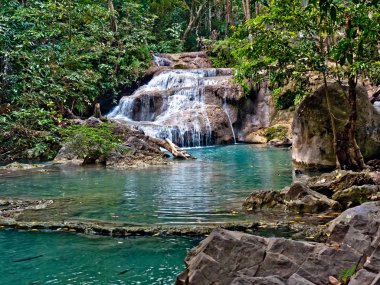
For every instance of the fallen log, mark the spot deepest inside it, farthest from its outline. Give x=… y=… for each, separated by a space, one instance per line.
x=175 y=150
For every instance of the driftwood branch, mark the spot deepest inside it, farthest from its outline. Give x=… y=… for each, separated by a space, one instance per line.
x=172 y=148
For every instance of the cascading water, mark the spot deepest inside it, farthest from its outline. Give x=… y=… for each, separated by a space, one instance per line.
x=227 y=110
x=172 y=105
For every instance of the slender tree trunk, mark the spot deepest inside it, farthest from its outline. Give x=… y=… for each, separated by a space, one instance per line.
x=113 y=20
x=195 y=14
x=229 y=19
x=332 y=121
x=348 y=151
x=247 y=16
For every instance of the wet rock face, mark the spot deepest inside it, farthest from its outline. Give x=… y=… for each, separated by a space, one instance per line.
x=312 y=132
x=193 y=104
x=256 y=113
x=297 y=198
x=227 y=257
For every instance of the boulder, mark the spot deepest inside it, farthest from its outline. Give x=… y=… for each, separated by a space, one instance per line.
x=329 y=183
x=136 y=150
x=297 y=198
x=227 y=257
x=184 y=60
x=356 y=195
x=312 y=132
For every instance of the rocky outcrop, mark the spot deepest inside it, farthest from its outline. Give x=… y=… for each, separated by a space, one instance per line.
x=256 y=113
x=137 y=149
x=185 y=60
x=312 y=132
x=356 y=195
x=14 y=166
x=193 y=104
x=227 y=257
x=330 y=183
x=297 y=198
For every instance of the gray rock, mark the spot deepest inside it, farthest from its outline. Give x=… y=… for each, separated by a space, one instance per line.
x=298 y=198
x=227 y=257
x=312 y=132
x=330 y=183
x=356 y=195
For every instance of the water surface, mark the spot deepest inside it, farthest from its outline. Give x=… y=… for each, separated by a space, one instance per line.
x=77 y=259
x=207 y=190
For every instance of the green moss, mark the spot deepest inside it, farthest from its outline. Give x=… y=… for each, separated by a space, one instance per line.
x=275 y=133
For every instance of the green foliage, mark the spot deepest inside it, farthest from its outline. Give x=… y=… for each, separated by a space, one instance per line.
x=286 y=99
x=220 y=53
x=65 y=55
x=29 y=134
x=290 y=42
x=92 y=143
x=276 y=132
x=346 y=274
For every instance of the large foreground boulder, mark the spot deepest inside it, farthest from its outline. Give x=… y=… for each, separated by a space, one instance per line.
x=227 y=257
x=312 y=131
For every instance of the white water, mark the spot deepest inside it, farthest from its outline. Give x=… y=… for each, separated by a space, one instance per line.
x=227 y=110
x=172 y=105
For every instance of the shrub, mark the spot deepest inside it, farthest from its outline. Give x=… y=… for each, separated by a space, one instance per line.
x=92 y=143
x=29 y=134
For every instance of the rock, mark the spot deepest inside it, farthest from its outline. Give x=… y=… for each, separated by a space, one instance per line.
x=356 y=195
x=255 y=137
x=329 y=183
x=185 y=60
x=312 y=133
x=255 y=112
x=227 y=257
x=374 y=164
x=286 y=142
x=21 y=166
x=298 y=198
x=136 y=150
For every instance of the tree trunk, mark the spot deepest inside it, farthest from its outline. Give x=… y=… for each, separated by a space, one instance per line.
x=97 y=113
x=195 y=14
x=229 y=19
x=247 y=16
x=347 y=149
x=332 y=121
x=113 y=20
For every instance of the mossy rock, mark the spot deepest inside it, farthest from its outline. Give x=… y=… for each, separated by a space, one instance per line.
x=276 y=133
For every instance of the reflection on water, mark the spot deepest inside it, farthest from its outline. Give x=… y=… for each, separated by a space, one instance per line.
x=74 y=259
x=204 y=190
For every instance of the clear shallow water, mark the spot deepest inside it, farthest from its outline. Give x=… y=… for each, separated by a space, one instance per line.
x=207 y=190
x=75 y=259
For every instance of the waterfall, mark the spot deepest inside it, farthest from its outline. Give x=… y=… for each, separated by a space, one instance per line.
x=172 y=105
x=227 y=110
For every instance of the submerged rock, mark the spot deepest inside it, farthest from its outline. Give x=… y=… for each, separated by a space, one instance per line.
x=227 y=257
x=298 y=198
x=312 y=132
